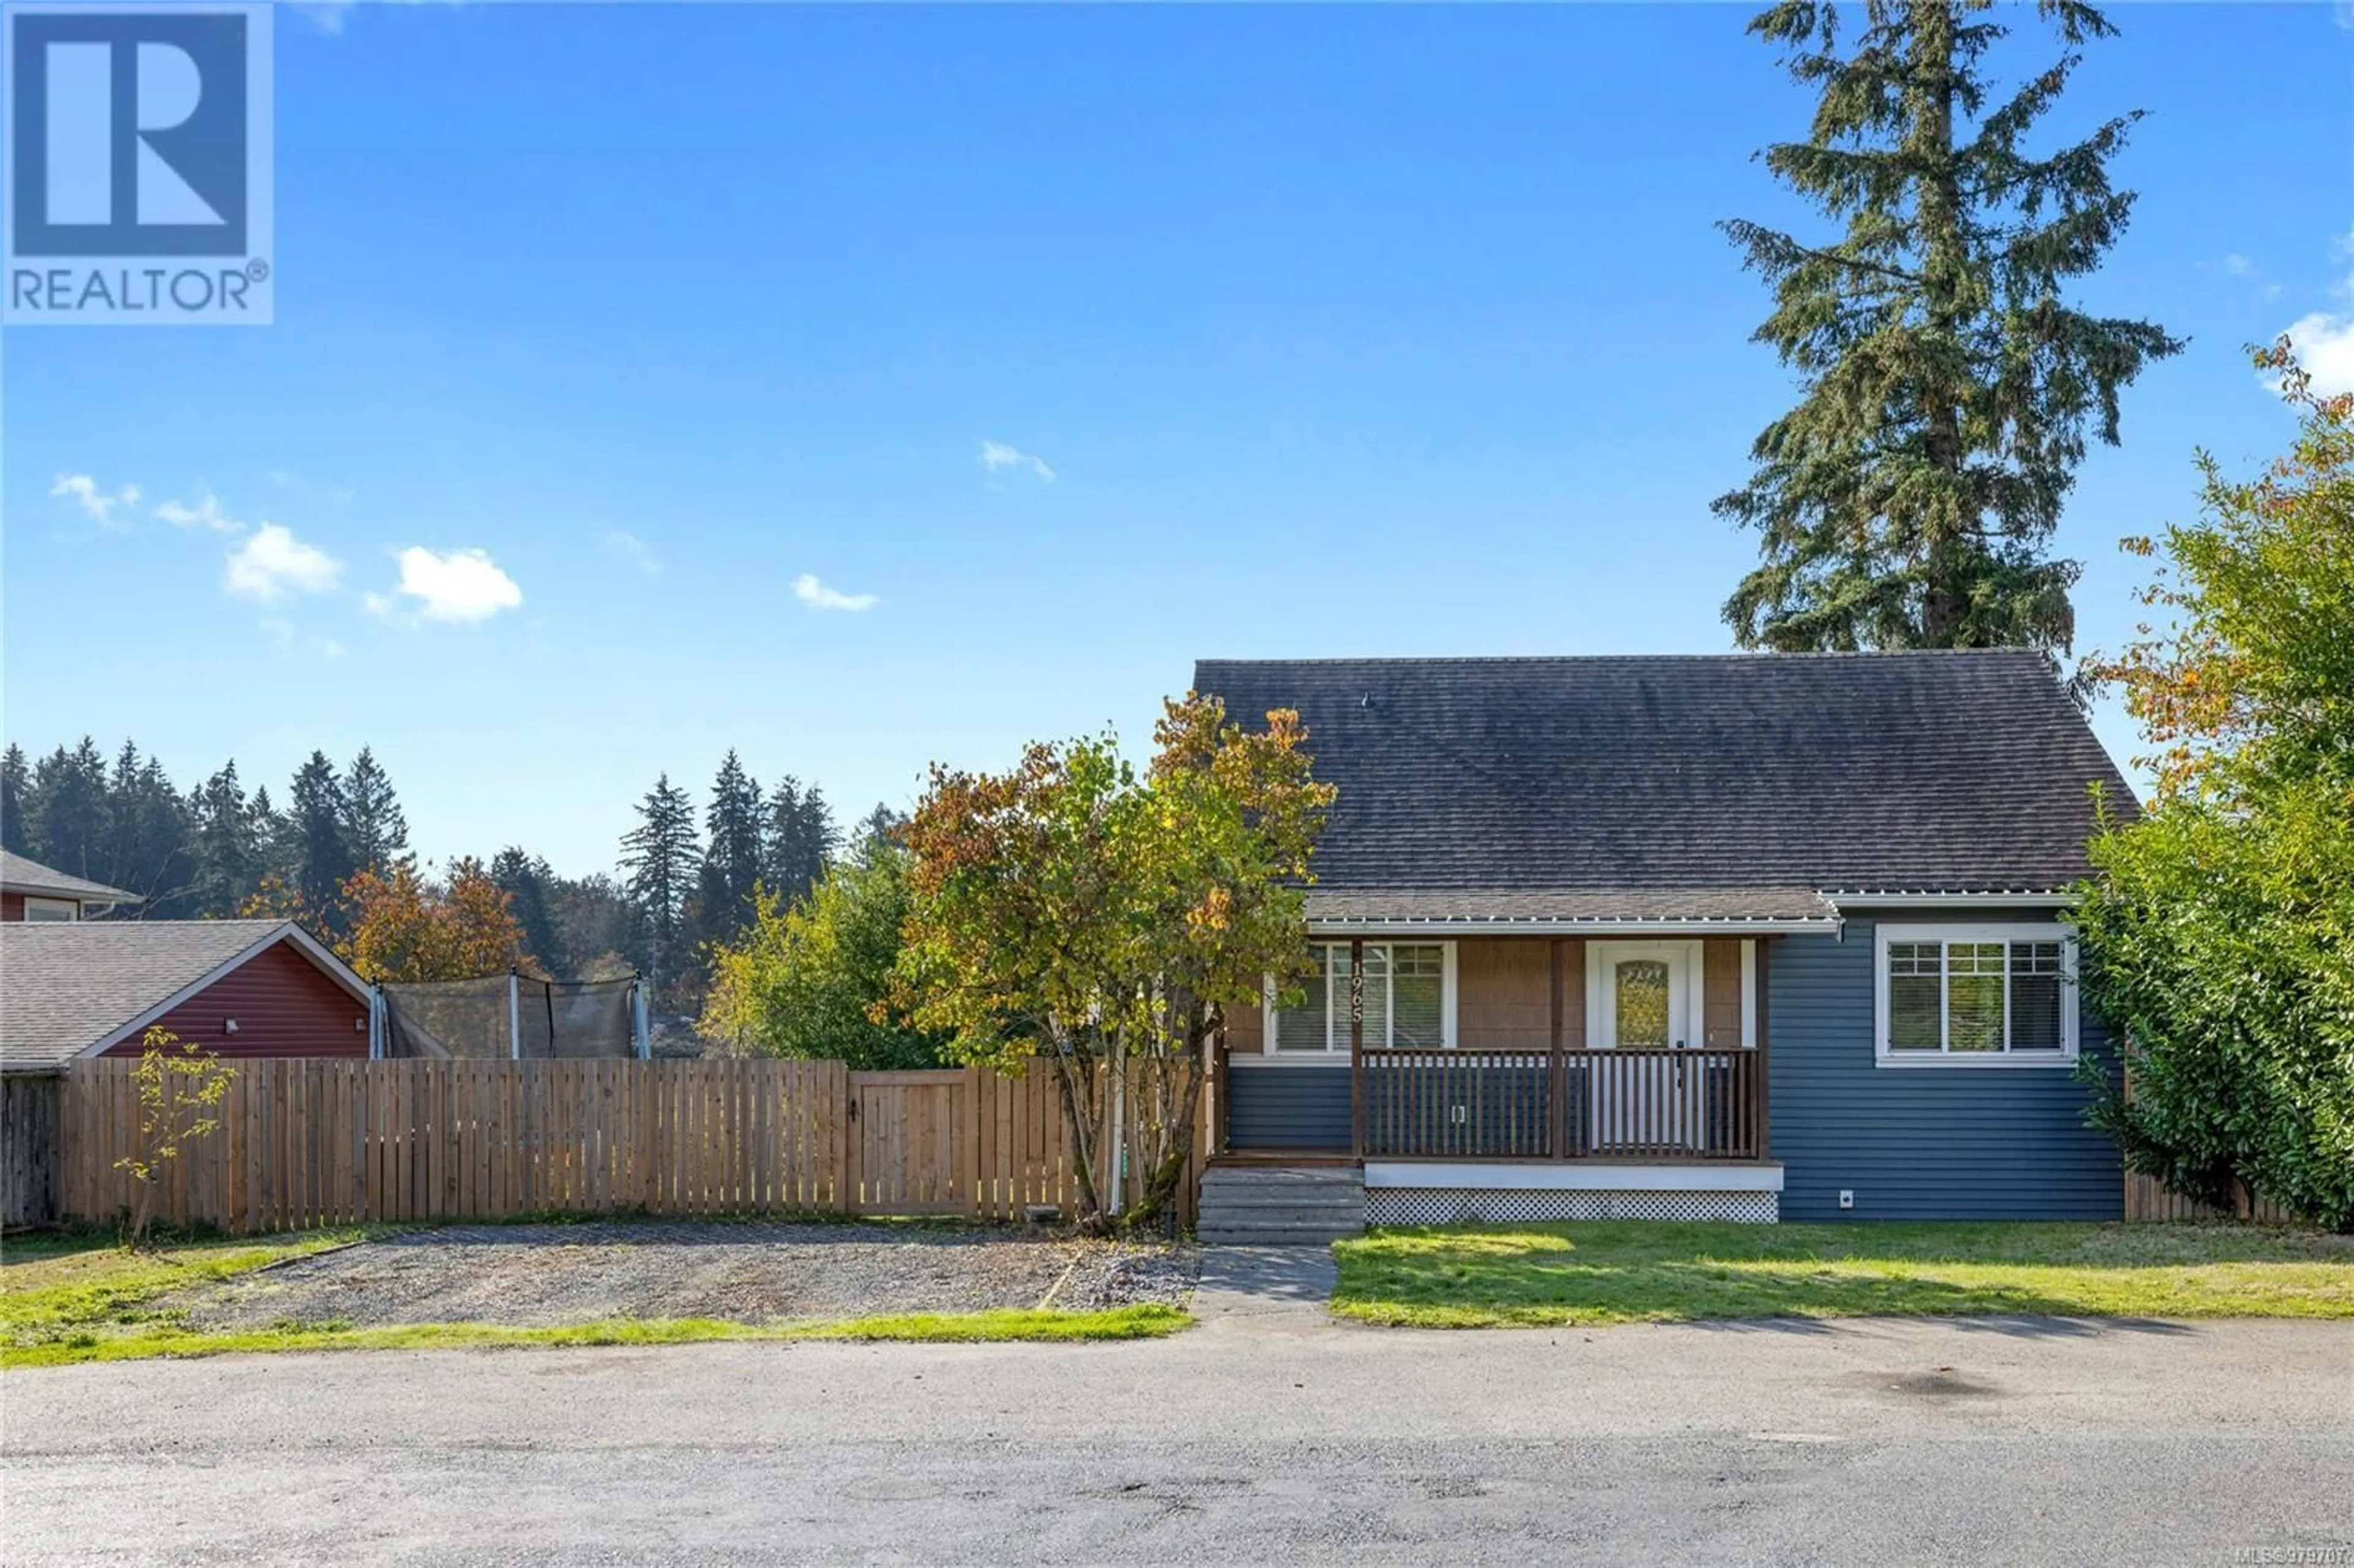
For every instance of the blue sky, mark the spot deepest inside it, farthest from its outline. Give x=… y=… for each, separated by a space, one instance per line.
x=1315 y=331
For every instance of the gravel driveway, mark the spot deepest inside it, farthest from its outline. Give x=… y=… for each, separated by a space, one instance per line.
x=533 y=1275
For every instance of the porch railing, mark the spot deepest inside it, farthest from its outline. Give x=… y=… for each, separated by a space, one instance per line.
x=1664 y=1104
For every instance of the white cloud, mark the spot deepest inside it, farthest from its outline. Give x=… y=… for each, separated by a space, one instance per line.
x=632 y=549
x=2324 y=339
x=2238 y=265
x=449 y=585
x=995 y=455
x=270 y=563
x=96 y=505
x=817 y=596
x=2325 y=347
x=204 y=514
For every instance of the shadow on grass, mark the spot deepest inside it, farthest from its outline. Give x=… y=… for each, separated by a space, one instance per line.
x=2025 y=1279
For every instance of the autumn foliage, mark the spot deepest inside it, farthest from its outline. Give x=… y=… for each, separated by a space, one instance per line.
x=1073 y=916
x=406 y=928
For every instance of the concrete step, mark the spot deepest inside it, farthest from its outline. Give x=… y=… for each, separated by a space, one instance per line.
x=1271 y=1237
x=1260 y=1197
x=1290 y=1217
x=1283 y=1176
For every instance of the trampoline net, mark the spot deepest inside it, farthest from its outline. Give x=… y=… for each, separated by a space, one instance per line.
x=557 y=1019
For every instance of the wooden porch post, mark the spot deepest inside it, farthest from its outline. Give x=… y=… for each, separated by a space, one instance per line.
x=1357 y=1044
x=1760 y=1102
x=1556 y=1068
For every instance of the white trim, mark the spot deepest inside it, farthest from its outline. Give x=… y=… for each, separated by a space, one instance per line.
x=333 y=967
x=1975 y=931
x=1692 y=1178
x=1749 y=996
x=1432 y=925
x=2054 y=897
x=1689 y=956
x=1337 y=1048
x=53 y=911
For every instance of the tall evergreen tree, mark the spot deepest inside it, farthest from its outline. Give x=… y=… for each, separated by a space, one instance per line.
x=372 y=822
x=877 y=833
x=801 y=839
x=659 y=860
x=226 y=843
x=527 y=881
x=65 y=811
x=147 y=836
x=15 y=784
x=273 y=835
x=1908 y=499
x=733 y=852
x=319 y=833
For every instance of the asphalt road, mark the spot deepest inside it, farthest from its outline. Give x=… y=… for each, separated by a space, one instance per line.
x=1274 y=1437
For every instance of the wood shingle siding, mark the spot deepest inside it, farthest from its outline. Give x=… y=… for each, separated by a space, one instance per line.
x=1720 y=993
x=1923 y=1142
x=1503 y=993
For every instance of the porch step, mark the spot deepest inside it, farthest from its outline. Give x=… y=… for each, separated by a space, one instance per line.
x=1282 y=1205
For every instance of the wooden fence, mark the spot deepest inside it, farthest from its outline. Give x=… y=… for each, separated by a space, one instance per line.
x=28 y=1149
x=2148 y=1198
x=312 y=1142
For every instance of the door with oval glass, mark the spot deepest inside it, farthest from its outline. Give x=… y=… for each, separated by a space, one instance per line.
x=1645 y=1099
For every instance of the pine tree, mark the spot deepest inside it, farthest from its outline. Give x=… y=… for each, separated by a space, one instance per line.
x=733 y=854
x=373 y=823
x=226 y=842
x=65 y=811
x=318 y=829
x=15 y=784
x=527 y=881
x=1908 y=499
x=659 y=860
x=800 y=839
x=147 y=836
x=877 y=833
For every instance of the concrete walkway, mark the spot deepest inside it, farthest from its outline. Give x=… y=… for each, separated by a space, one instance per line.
x=1290 y=1285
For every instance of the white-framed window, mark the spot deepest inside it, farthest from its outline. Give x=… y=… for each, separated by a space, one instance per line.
x=1974 y=995
x=52 y=909
x=1409 y=1001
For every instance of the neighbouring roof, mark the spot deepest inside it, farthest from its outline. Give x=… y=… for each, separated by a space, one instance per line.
x=19 y=874
x=68 y=985
x=1736 y=781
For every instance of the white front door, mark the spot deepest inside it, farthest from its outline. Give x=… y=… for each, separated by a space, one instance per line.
x=1643 y=1003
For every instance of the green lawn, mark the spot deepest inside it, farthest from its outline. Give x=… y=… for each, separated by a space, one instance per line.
x=1629 y=1271
x=83 y=1298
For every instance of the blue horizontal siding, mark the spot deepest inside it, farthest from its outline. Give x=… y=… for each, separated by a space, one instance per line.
x=1917 y=1143
x=1288 y=1108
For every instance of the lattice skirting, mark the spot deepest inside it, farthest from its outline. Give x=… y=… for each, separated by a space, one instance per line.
x=1490 y=1205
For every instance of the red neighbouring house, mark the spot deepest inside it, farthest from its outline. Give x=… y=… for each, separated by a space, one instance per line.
x=240 y=988
x=72 y=987
x=31 y=891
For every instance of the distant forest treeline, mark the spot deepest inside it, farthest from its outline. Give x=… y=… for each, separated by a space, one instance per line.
x=207 y=851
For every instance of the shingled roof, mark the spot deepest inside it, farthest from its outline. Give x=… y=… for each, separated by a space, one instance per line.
x=20 y=874
x=1742 y=780
x=66 y=986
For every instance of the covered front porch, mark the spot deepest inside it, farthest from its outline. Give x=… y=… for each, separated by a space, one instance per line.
x=1474 y=1072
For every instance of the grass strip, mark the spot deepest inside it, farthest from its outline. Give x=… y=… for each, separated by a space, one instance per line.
x=1605 y=1272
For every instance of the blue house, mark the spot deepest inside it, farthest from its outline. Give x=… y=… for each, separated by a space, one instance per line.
x=1712 y=938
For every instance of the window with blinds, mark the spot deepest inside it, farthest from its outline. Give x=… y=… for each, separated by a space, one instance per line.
x=1970 y=995
x=1404 y=1000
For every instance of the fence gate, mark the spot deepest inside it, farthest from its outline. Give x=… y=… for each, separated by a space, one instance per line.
x=908 y=1144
